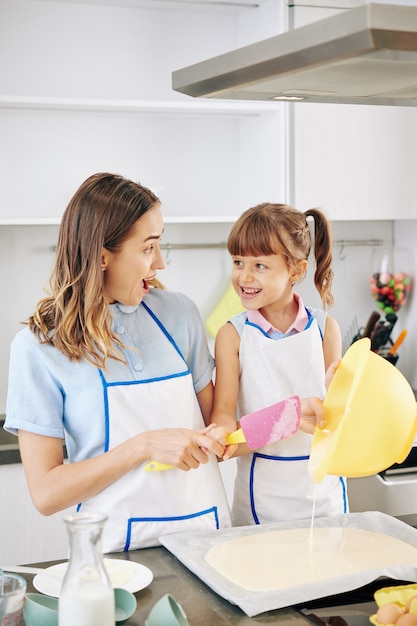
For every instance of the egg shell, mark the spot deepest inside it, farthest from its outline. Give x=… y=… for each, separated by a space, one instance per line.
x=407 y=619
x=389 y=613
x=411 y=606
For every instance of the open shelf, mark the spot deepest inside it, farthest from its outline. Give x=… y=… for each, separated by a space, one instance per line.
x=186 y=219
x=145 y=107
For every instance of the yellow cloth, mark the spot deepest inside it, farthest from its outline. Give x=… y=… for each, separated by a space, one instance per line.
x=228 y=306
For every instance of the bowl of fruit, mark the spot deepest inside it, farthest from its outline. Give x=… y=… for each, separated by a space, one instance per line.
x=390 y=280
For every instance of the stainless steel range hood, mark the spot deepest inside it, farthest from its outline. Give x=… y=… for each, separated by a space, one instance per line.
x=366 y=55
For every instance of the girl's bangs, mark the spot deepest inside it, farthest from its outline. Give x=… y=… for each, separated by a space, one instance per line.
x=253 y=241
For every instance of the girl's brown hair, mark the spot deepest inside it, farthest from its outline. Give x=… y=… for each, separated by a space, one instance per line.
x=75 y=316
x=280 y=229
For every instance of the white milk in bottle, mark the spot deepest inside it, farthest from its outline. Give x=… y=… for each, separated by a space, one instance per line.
x=87 y=596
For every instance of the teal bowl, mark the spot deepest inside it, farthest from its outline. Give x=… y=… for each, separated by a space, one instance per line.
x=41 y=610
x=167 y=612
x=125 y=604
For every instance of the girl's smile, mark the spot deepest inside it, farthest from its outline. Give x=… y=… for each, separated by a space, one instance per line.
x=249 y=293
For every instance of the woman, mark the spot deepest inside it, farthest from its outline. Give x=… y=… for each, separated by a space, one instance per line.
x=121 y=369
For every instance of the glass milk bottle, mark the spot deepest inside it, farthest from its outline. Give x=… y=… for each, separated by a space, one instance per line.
x=87 y=596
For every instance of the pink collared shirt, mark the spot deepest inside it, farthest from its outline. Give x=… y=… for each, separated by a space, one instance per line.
x=298 y=325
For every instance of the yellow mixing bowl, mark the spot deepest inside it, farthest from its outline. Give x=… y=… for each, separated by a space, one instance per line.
x=371 y=417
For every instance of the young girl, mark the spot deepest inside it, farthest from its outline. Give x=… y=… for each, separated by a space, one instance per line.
x=275 y=349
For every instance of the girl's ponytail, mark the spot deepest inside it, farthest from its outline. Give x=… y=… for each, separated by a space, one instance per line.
x=323 y=276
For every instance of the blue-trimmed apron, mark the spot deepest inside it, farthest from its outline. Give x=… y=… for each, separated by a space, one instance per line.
x=272 y=484
x=143 y=506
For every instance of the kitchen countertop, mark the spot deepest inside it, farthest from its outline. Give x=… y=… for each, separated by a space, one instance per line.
x=203 y=607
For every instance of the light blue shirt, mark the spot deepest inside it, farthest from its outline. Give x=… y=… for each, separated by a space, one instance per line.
x=50 y=395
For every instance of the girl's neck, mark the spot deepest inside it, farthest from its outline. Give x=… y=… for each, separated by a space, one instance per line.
x=281 y=316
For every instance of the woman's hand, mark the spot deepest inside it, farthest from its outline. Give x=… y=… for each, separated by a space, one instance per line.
x=55 y=485
x=183 y=448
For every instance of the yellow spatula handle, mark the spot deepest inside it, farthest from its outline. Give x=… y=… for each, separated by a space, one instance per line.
x=156 y=466
x=236 y=437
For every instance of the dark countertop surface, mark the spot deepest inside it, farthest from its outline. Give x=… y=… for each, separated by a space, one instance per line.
x=9 y=447
x=203 y=607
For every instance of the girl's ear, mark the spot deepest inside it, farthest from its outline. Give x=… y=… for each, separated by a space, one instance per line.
x=299 y=271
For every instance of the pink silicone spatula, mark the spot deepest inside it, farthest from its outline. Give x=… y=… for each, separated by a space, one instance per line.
x=272 y=423
x=260 y=428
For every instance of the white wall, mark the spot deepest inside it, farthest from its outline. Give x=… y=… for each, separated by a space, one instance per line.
x=405 y=236
x=352 y=268
x=66 y=49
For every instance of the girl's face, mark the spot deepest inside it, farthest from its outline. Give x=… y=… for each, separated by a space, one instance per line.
x=126 y=273
x=262 y=281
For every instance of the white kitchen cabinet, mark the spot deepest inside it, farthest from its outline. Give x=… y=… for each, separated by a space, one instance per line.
x=88 y=88
x=302 y=12
x=201 y=158
x=356 y=162
x=27 y=536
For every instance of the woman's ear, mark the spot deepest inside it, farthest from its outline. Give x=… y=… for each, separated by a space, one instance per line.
x=104 y=259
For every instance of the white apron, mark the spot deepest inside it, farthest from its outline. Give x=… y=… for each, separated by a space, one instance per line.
x=143 y=506
x=272 y=484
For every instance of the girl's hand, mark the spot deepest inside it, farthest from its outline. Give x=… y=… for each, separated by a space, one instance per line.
x=330 y=373
x=219 y=434
x=312 y=415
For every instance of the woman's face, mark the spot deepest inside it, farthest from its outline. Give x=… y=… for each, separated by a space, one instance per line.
x=126 y=273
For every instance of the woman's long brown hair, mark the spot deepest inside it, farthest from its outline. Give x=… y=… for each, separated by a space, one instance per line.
x=75 y=318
